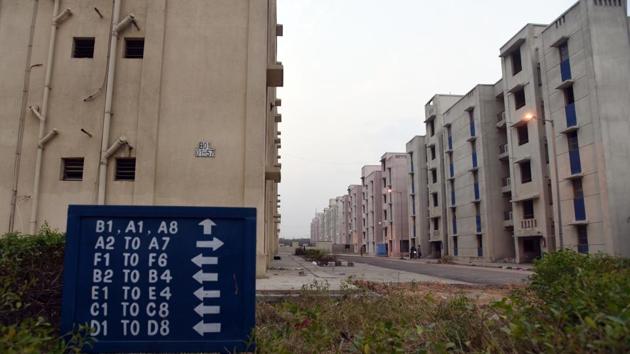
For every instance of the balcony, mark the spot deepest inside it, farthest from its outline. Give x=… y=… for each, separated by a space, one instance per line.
x=529 y=224
x=508 y=220
x=580 y=209
x=503 y=151
x=501 y=120
x=574 y=161
x=569 y=110
x=506 y=185
x=565 y=70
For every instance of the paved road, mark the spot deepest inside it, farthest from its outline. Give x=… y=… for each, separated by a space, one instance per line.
x=477 y=275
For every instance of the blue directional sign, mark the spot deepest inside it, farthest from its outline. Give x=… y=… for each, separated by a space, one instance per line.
x=161 y=279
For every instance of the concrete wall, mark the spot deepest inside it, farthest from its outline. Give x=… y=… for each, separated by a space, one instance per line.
x=203 y=78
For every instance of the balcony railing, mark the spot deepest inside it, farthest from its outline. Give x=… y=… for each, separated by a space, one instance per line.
x=569 y=110
x=574 y=160
x=507 y=215
x=565 y=70
x=474 y=159
x=528 y=224
x=580 y=210
x=476 y=190
x=478 y=222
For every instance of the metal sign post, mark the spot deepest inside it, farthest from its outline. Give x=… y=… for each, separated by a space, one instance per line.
x=161 y=279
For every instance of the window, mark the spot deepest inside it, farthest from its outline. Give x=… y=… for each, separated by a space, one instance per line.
x=126 y=169
x=526 y=171
x=72 y=169
x=432 y=149
x=519 y=99
x=134 y=48
x=572 y=140
x=436 y=224
x=569 y=97
x=564 y=51
x=83 y=48
x=517 y=63
x=582 y=238
x=431 y=127
x=528 y=209
x=455 y=248
x=523 y=134
x=578 y=192
x=434 y=176
x=435 y=199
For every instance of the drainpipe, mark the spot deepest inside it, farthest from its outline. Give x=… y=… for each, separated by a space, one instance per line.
x=117 y=28
x=42 y=115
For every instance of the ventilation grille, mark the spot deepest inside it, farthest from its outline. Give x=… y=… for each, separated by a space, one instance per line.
x=134 y=48
x=607 y=2
x=126 y=169
x=72 y=169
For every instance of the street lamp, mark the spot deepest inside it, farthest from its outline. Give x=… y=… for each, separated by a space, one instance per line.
x=528 y=117
x=398 y=214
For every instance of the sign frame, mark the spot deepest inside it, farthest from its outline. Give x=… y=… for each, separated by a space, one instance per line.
x=71 y=273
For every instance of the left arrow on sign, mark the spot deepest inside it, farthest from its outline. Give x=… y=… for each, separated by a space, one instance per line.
x=200 y=276
x=203 y=328
x=200 y=260
x=201 y=293
x=215 y=244
x=207 y=226
x=201 y=310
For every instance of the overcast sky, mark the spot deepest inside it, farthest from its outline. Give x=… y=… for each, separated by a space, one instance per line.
x=357 y=74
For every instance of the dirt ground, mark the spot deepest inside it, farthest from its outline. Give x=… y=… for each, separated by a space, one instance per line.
x=481 y=294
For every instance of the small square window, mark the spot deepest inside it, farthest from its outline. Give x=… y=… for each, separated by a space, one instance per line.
x=523 y=134
x=134 y=48
x=83 y=47
x=519 y=99
x=72 y=169
x=126 y=169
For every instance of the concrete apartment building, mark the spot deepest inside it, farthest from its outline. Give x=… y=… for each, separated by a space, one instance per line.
x=355 y=194
x=372 y=185
x=139 y=102
x=418 y=195
x=436 y=172
x=474 y=150
x=330 y=221
x=395 y=176
x=316 y=234
x=342 y=235
x=585 y=69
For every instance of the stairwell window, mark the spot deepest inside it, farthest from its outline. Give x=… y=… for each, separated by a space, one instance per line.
x=517 y=63
x=526 y=171
x=72 y=169
x=83 y=47
x=134 y=48
x=519 y=99
x=523 y=134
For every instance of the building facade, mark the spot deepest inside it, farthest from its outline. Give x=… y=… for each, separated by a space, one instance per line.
x=371 y=179
x=395 y=175
x=418 y=196
x=355 y=194
x=115 y=102
x=475 y=153
x=437 y=173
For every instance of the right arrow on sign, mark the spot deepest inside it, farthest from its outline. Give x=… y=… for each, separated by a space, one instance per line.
x=201 y=310
x=203 y=328
x=215 y=244
x=200 y=276
x=200 y=260
x=206 y=294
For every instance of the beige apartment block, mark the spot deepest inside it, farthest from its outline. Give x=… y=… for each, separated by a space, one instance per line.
x=585 y=63
x=139 y=102
x=355 y=194
x=330 y=221
x=436 y=173
x=316 y=231
x=418 y=196
x=372 y=185
x=343 y=217
x=395 y=175
x=527 y=145
x=474 y=154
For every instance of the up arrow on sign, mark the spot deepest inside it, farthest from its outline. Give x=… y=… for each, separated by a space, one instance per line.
x=207 y=226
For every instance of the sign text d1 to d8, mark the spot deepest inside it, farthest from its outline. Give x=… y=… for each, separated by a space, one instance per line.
x=161 y=279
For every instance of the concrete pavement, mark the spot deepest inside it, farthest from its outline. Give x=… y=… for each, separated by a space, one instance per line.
x=463 y=273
